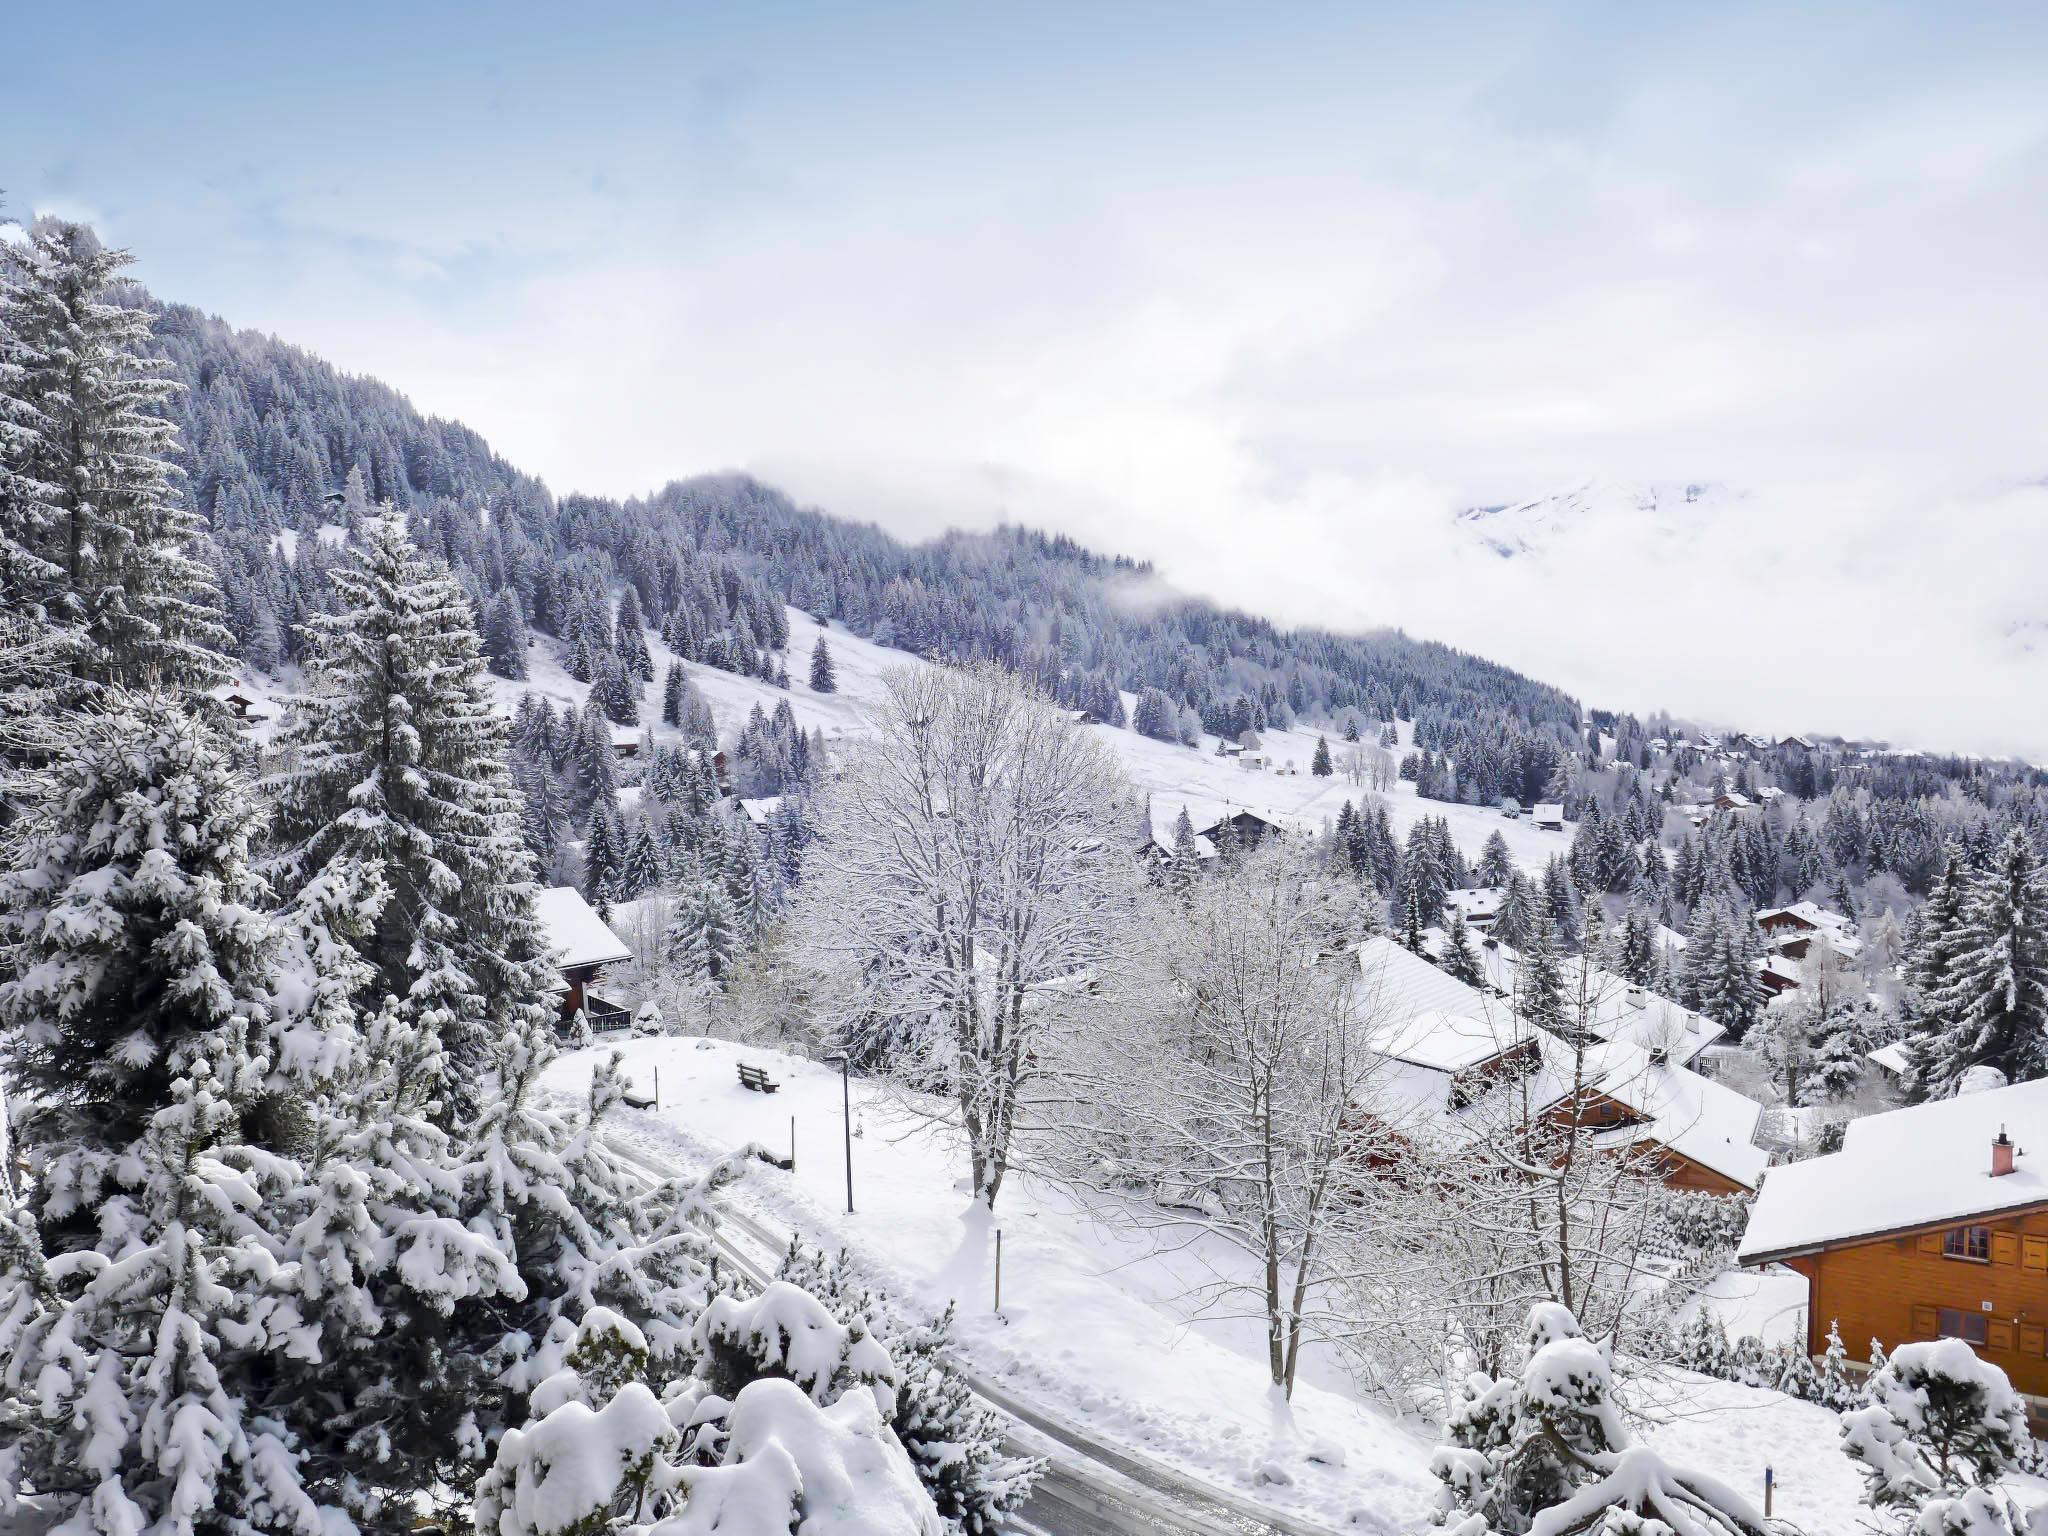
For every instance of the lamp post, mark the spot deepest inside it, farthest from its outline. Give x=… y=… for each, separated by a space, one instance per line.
x=846 y=1101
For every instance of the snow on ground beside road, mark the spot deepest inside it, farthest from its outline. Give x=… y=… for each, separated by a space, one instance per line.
x=1081 y=1332
x=1096 y=1326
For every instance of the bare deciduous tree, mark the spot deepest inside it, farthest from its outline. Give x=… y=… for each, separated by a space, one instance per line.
x=965 y=888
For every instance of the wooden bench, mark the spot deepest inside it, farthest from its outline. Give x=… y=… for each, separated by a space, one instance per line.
x=636 y=1097
x=755 y=1078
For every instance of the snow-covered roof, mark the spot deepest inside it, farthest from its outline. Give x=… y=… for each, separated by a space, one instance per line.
x=1432 y=1027
x=1396 y=986
x=1161 y=816
x=759 y=811
x=1547 y=810
x=1447 y=1042
x=1696 y=1117
x=1895 y=1058
x=1478 y=905
x=1612 y=1007
x=576 y=934
x=1923 y=1166
x=1837 y=931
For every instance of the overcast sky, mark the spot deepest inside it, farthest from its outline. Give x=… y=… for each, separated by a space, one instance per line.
x=1264 y=294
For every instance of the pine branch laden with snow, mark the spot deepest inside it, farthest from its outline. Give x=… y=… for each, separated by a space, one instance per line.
x=1940 y=1428
x=783 y=1429
x=1546 y=1452
x=956 y=1443
x=396 y=756
x=968 y=879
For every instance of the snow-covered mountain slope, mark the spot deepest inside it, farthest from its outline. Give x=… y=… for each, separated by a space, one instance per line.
x=1178 y=775
x=1531 y=527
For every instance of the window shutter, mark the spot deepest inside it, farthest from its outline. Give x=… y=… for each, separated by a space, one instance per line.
x=1930 y=1242
x=2033 y=1339
x=2000 y=1334
x=1923 y=1322
x=2034 y=1253
x=2005 y=1248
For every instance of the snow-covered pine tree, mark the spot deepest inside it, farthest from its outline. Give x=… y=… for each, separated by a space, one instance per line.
x=1495 y=862
x=1320 y=764
x=1995 y=1003
x=1940 y=1429
x=785 y=1428
x=132 y=1026
x=93 y=503
x=1549 y=1449
x=955 y=1443
x=1459 y=958
x=395 y=754
x=822 y=678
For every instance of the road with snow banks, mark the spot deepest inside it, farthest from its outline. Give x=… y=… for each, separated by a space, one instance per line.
x=1090 y=1488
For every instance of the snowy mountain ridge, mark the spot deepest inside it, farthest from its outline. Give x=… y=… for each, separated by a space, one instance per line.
x=1668 y=509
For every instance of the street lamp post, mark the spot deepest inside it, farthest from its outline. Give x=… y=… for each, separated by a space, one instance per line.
x=846 y=1101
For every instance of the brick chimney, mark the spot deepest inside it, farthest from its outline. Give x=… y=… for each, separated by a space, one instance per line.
x=2001 y=1154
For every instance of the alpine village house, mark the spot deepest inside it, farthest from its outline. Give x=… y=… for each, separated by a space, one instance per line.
x=1931 y=1222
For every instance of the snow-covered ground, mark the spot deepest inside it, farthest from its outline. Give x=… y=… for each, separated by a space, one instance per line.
x=1098 y=1327
x=1769 y=1303
x=1087 y=1328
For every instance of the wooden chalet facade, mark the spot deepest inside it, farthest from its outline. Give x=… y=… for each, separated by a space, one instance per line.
x=1931 y=1222
x=583 y=944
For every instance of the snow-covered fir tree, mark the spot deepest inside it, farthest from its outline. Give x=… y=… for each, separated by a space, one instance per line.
x=95 y=532
x=395 y=754
x=1994 y=1005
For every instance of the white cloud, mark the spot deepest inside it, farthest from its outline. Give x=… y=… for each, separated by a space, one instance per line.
x=1269 y=314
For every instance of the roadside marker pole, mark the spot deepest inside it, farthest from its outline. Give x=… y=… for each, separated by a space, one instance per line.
x=999 y=1269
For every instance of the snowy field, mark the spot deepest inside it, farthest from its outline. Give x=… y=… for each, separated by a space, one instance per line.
x=1097 y=1328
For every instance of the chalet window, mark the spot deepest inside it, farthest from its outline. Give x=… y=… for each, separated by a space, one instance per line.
x=1967 y=1243
x=1971 y=1327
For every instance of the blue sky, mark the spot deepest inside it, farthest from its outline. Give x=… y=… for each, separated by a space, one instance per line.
x=1264 y=293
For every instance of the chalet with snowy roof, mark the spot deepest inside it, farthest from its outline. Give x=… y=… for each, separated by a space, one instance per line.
x=1733 y=800
x=1250 y=828
x=1161 y=818
x=1779 y=975
x=1931 y=1222
x=1791 y=931
x=758 y=813
x=1792 y=743
x=583 y=944
x=1479 y=906
x=1450 y=1047
x=1548 y=813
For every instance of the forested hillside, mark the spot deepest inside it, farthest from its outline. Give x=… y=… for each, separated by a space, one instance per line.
x=277 y=443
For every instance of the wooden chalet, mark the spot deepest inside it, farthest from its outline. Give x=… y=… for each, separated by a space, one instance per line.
x=1931 y=1222
x=1548 y=814
x=1449 y=1046
x=583 y=944
x=1792 y=930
